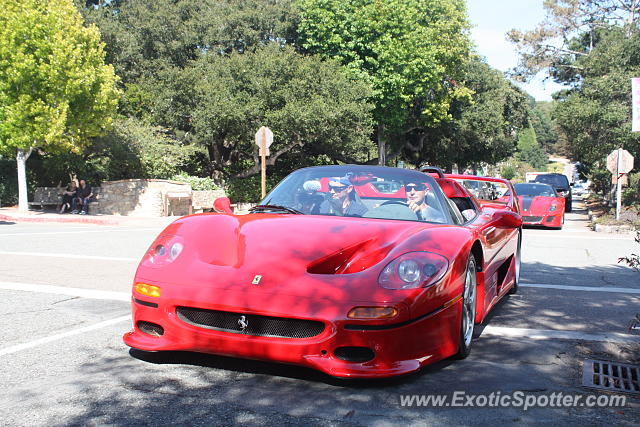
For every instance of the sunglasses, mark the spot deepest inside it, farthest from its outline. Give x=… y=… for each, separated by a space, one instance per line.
x=337 y=188
x=415 y=187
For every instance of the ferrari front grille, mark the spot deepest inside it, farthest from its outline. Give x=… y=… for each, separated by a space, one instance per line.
x=250 y=324
x=531 y=218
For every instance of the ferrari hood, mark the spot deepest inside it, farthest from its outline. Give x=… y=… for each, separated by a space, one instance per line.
x=300 y=242
x=536 y=206
x=284 y=252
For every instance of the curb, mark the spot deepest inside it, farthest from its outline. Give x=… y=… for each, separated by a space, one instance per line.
x=612 y=229
x=80 y=220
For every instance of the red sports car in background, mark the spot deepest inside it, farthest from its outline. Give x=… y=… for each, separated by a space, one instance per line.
x=356 y=271
x=540 y=205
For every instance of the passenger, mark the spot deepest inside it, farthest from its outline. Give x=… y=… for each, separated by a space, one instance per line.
x=342 y=199
x=417 y=202
x=308 y=200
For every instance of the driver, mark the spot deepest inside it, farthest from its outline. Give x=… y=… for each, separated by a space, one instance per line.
x=416 y=200
x=342 y=199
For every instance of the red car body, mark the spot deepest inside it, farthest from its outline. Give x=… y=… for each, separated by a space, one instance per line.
x=541 y=205
x=300 y=289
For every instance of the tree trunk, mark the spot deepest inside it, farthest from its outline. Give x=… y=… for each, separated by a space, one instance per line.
x=21 y=160
x=382 y=149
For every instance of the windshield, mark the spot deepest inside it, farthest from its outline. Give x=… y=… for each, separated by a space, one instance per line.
x=535 y=190
x=555 y=180
x=485 y=190
x=359 y=191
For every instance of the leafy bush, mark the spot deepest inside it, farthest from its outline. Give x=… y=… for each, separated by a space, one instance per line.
x=248 y=189
x=600 y=180
x=631 y=194
x=8 y=182
x=197 y=183
x=508 y=172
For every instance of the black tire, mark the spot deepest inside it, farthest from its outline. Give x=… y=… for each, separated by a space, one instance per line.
x=568 y=207
x=468 y=317
x=514 y=288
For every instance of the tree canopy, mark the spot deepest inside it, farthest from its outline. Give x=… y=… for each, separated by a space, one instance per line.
x=311 y=105
x=55 y=90
x=409 y=51
x=593 y=47
x=484 y=128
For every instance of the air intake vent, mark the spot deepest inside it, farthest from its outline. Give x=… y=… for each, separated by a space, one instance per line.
x=250 y=324
x=151 y=328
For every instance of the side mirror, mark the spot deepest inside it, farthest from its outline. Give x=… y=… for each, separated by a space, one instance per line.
x=506 y=219
x=222 y=205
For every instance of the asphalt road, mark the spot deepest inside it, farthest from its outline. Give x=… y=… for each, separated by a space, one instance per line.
x=65 y=288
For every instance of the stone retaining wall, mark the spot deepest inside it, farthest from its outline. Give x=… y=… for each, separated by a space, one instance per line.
x=140 y=197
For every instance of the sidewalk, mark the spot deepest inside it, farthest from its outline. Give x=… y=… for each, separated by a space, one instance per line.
x=11 y=214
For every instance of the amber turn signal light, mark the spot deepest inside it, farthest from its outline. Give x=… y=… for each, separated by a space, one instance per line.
x=148 y=290
x=372 y=313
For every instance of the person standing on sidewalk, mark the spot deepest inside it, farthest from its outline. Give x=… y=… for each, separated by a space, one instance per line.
x=83 y=198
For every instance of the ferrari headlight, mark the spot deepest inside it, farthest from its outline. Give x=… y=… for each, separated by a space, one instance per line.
x=175 y=250
x=409 y=271
x=164 y=250
x=413 y=270
x=553 y=208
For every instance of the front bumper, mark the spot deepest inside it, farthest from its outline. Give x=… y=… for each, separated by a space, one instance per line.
x=550 y=220
x=399 y=347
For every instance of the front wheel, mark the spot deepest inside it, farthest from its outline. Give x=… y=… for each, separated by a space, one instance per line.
x=518 y=263
x=469 y=300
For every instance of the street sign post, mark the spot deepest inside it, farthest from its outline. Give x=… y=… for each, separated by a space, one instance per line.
x=264 y=138
x=619 y=163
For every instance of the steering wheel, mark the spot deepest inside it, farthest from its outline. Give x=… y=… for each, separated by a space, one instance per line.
x=394 y=202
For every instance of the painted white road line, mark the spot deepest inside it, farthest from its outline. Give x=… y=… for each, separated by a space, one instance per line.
x=62 y=290
x=53 y=255
x=544 y=334
x=581 y=288
x=107 y=230
x=624 y=237
x=51 y=338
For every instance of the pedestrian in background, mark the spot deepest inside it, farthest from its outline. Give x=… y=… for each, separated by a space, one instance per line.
x=82 y=199
x=67 y=197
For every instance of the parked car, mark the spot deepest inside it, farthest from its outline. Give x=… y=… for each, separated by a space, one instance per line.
x=581 y=188
x=561 y=184
x=540 y=205
x=371 y=292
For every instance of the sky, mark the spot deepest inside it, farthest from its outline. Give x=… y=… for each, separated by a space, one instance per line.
x=490 y=20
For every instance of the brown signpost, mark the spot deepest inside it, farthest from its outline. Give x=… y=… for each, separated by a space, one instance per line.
x=619 y=163
x=264 y=138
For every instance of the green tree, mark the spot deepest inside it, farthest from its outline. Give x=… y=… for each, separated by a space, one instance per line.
x=569 y=32
x=483 y=128
x=597 y=56
x=55 y=90
x=311 y=105
x=142 y=37
x=544 y=126
x=409 y=51
x=595 y=116
x=529 y=151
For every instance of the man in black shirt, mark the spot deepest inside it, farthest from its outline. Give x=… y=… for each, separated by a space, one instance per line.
x=83 y=198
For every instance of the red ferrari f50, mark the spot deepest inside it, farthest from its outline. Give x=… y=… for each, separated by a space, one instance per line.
x=356 y=271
